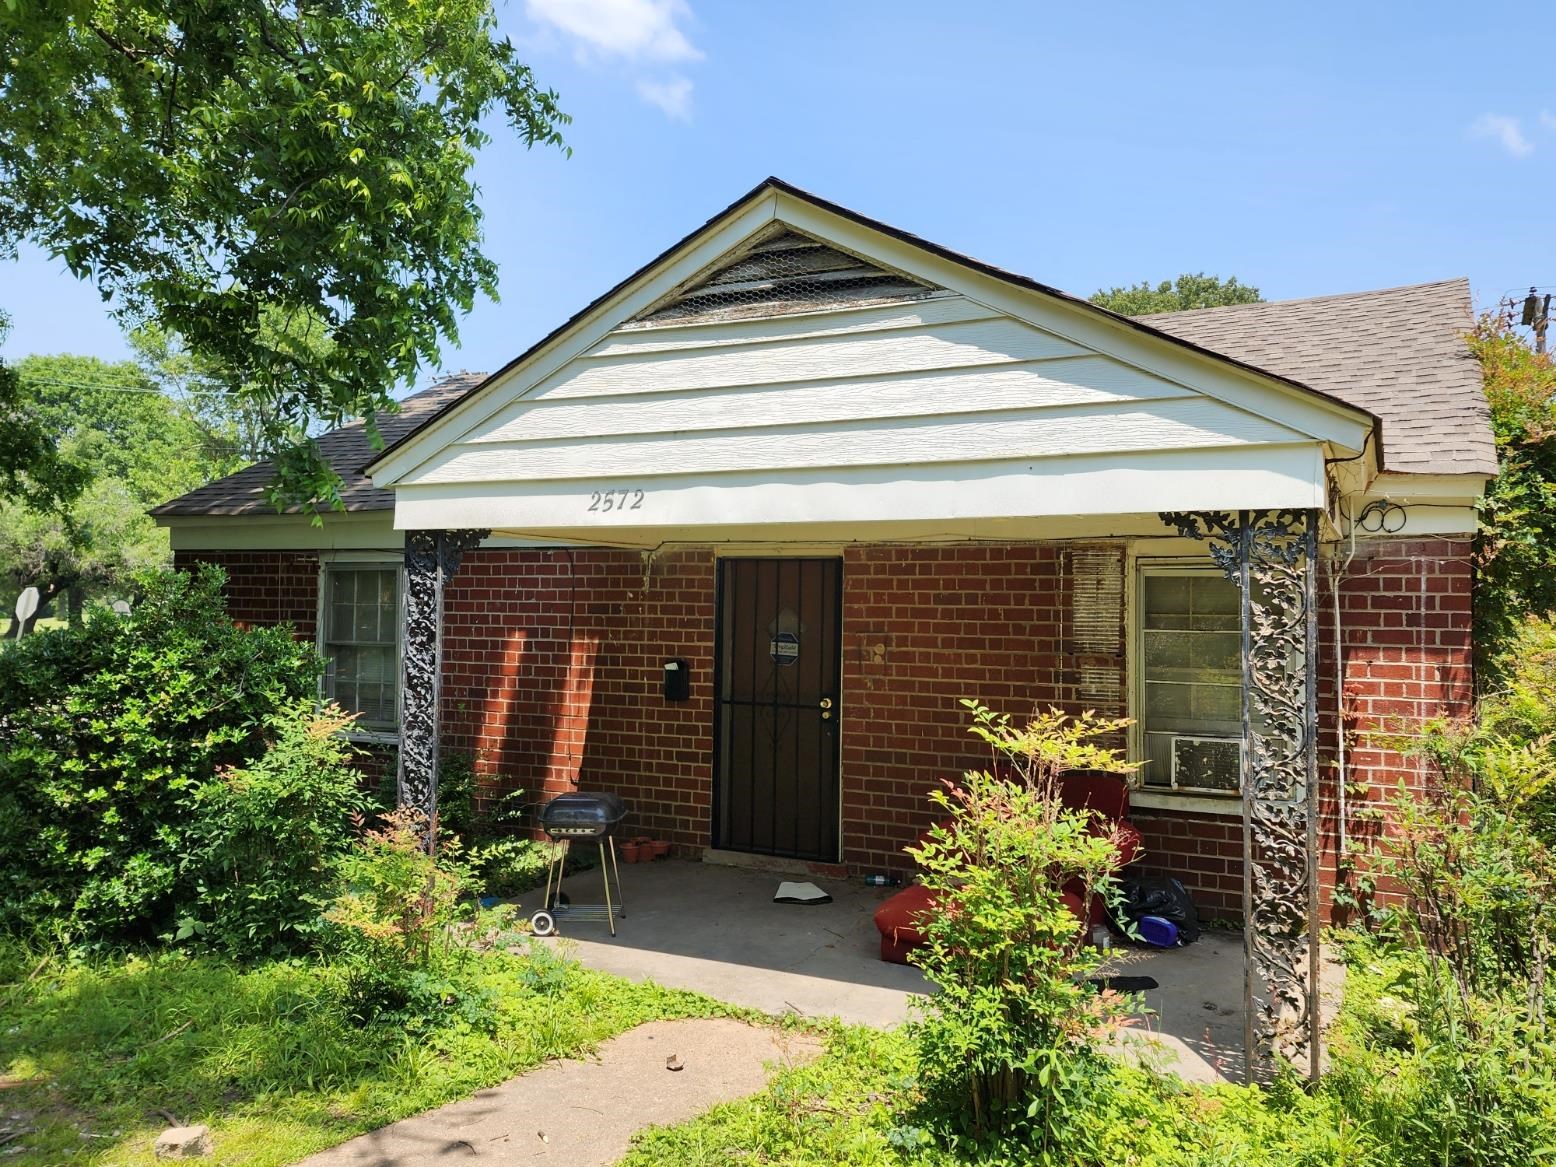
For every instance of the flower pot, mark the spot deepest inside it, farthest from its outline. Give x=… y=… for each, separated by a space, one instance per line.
x=660 y=848
x=630 y=851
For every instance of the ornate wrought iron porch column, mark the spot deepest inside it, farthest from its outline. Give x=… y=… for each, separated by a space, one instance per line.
x=431 y=559
x=1272 y=556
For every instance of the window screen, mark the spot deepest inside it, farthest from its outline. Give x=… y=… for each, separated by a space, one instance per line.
x=361 y=643
x=1192 y=681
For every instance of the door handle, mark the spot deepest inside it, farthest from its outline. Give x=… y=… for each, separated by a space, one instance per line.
x=825 y=705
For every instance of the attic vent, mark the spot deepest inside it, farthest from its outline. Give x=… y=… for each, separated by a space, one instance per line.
x=1097 y=627
x=787 y=272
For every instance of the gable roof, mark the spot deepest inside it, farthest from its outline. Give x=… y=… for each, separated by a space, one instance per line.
x=346 y=449
x=1398 y=353
x=774 y=184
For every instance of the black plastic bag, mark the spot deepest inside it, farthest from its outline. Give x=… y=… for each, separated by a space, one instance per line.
x=1163 y=897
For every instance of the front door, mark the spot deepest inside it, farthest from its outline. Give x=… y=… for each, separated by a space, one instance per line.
x=776 y=736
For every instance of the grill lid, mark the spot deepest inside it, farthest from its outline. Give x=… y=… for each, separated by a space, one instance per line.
x=583 y=810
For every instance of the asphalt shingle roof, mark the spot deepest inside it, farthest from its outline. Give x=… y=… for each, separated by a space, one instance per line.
x=1398 y=353
x=347 y=449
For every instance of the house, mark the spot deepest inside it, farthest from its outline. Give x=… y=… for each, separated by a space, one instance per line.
x=837 y=477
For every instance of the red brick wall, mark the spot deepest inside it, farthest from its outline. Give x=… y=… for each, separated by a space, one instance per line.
x=553 y=668
x=266 y=587
x=1405 y=607
x=925 y=627
x=553 y=675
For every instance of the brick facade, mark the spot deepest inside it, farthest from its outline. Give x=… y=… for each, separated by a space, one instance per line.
x=553 y=666
x=266 y=587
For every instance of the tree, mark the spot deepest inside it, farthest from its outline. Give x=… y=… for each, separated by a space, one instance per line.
x=1188 y=291
x=208 y=164
x=127 y=444
x=31 y=468
x=1516 y=545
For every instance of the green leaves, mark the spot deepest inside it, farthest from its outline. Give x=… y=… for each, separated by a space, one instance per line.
x=205 y=168
x=1196 y=290
x=1516 y=546
x=1007 y=1042
x=108 y=727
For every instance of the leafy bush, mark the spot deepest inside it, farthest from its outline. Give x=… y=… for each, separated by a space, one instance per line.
x=1447 y=1049
x=1516 y=544
x=264 y=840
x=1011 y=1040
x=106 y=730
x=1434 y=1077
x=397 y=928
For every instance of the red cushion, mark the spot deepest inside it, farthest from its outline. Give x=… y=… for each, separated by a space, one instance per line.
x=1129 y=842
x=899 y=919
x=1107 y=794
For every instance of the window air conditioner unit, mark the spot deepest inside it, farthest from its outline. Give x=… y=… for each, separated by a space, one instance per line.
x=1207 y=763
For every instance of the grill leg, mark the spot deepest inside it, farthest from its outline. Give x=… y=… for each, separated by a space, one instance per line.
x=554 y=871
x=605 y=877
x=621 y=899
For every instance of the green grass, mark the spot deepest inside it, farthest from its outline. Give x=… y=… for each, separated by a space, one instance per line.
x=97 y=1056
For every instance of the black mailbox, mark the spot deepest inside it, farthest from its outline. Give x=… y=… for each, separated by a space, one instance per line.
x=678 y=680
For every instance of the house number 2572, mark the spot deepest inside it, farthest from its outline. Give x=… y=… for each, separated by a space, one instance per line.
x=615 y=500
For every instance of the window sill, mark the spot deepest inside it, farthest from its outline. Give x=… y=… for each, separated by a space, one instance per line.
x=1230 y=806
x=374 y=737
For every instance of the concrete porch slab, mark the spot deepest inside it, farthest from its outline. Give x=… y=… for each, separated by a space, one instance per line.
x=715 y=930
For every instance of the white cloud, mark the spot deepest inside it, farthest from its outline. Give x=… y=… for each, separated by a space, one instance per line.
x=634 y=30
x=1505 y=131
x=1548 y=119
x=674 y=96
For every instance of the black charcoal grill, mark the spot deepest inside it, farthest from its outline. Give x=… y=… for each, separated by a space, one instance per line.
x=590 y=818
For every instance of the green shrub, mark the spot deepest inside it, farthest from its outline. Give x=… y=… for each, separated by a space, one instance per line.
x=264 y=839
x=105 y=731
x=1445 y=1045
x=1010 y=1042
x=397 y=926
x=1432 y=1077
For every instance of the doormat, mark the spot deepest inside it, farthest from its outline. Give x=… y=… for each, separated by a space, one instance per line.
x=800 y=893
x=1125 y=984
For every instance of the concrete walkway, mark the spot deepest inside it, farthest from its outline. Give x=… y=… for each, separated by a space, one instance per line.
x=584 y=1112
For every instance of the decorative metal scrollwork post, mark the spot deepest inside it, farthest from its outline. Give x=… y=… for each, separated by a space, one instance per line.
x=431 y=559
x=1272 y=556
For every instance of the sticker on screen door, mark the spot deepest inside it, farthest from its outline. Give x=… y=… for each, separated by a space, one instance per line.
x=785 y=631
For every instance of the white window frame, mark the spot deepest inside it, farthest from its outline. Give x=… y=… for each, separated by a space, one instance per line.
x=1197 y=799
x=363 y=561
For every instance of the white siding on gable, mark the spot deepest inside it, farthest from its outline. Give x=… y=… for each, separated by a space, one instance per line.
x=950 y=437
x=953 y=345
x=830 y=396
x=935 y=381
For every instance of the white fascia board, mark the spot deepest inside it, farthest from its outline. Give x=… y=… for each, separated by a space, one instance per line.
x=1433 y=504
x=1408 y=488
x=360 y=530
x=1340 y=425
x=697 y=506
x=698 y=255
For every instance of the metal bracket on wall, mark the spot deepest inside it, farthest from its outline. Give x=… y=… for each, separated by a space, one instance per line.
x=1272 y=556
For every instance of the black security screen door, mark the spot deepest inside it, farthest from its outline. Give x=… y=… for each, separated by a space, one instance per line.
x=776 y=739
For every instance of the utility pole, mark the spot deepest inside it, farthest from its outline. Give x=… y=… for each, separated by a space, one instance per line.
x=1537 y=315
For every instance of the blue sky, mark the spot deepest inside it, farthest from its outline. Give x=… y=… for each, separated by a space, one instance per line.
x=1306 y=149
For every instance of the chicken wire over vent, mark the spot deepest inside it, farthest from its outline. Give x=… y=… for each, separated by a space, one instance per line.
x=785 y=273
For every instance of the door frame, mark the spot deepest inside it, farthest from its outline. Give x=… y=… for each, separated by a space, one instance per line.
x=793 y=551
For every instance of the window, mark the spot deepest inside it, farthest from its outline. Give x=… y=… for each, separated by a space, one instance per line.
x=1191 y=680
x=360 y=640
